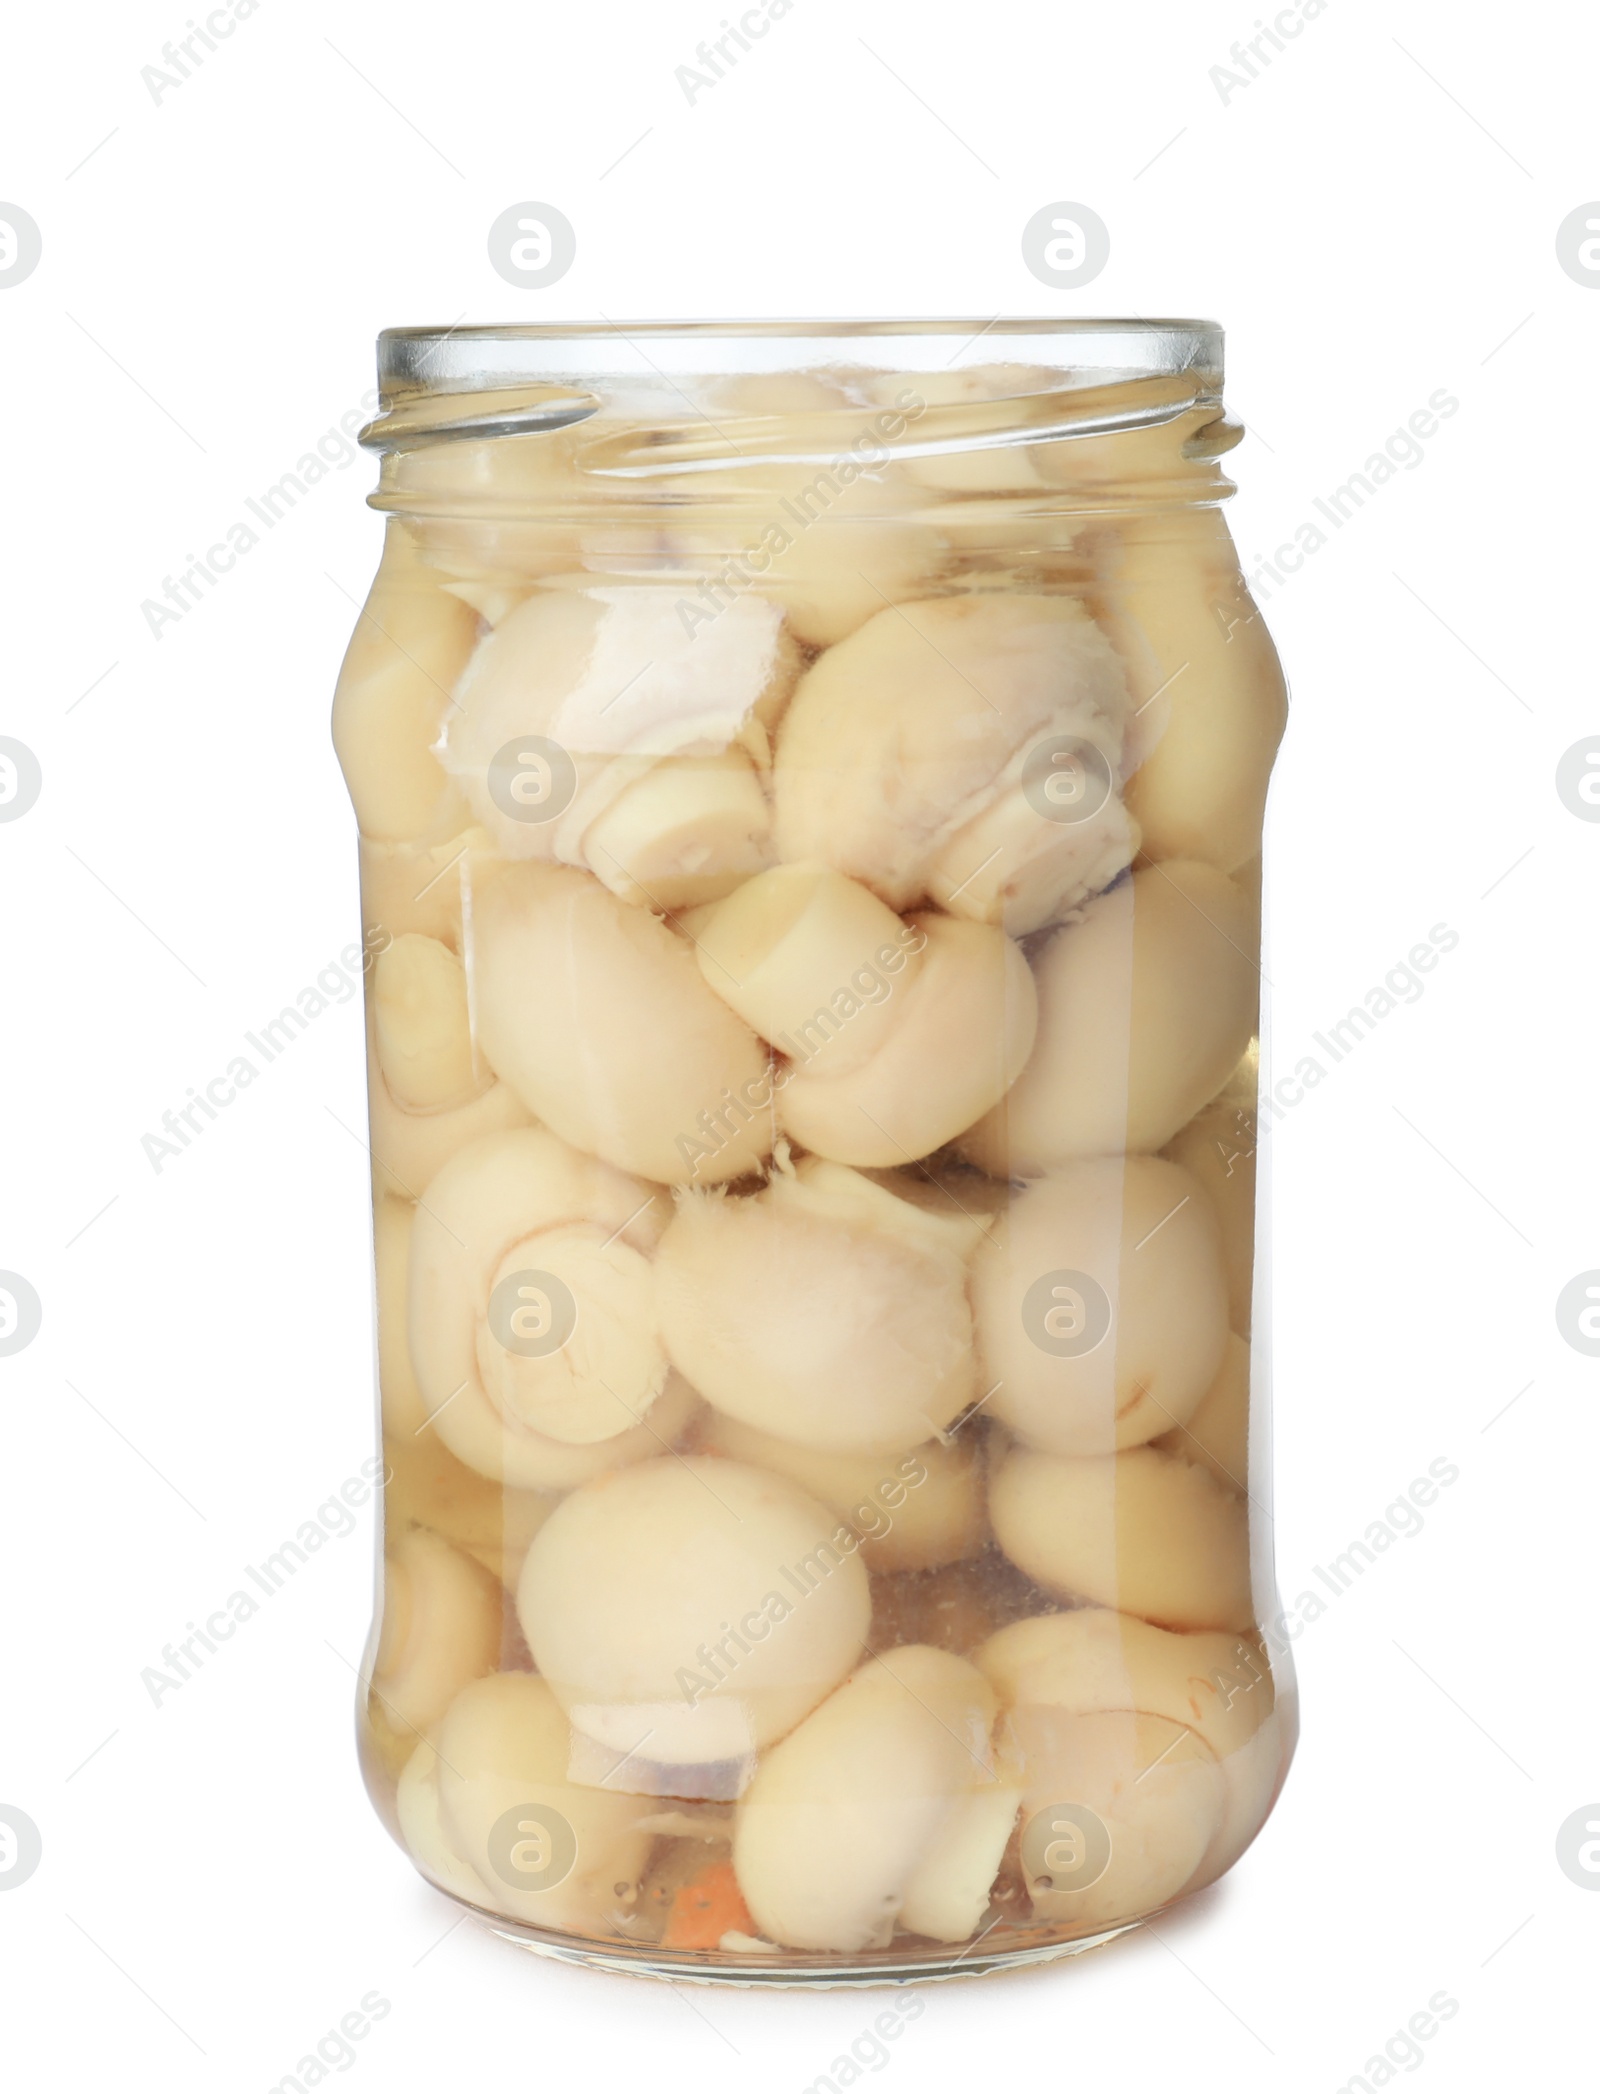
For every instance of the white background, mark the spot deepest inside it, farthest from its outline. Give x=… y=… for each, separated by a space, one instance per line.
x=1373 y=217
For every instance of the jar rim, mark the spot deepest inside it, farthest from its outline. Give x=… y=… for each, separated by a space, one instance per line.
x=1082 y=351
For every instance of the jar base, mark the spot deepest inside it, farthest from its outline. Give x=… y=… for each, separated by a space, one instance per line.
x=791 y=1968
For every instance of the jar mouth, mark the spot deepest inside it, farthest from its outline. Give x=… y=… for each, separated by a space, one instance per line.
x=564 y=373
x=714 y=414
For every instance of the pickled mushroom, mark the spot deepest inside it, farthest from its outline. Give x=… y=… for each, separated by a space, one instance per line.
x=888 y=1361
x=597 y=1016
x=1101 y=1305
x=531 y=1307
x=692 y=1609
x=883 y=1808
x=927 y=756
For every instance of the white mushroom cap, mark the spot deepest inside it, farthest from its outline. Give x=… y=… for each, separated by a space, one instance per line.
x=1101 y=1305
x=1146 y=1002
x=1219 y=1685
x=422 y=1027
x=440 y=1629
x=411 y=642
x=569 y=1352
x=410 y=1149
x=692 y=1610
x=1156 y=1791
x=965 y=1028
x=904 y=758
x=1219 y=1147
x=1092 y=1658
x=422 y=1829
x=812 y=961
x=505 y=1746
x=836 y=1323
x=596 y=1014
x=884 y=1808
x=913 y=1510
x=1141 y=1531
x=1217 y=1434
x=1176 y=607
x=613 y=680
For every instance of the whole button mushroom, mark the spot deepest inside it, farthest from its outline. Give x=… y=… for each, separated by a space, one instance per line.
x=812 y=961
x=597 y=1016
x=832 y=1316
x=1198 y=654
x=1217 y=1685
x=1118 y=1812
x=1146 y=1002
x=591 y=729
x=692 y=1610
x=913 y=1511
x=532 y=1307
x=966 y=749
x=410 y=1148
x=547 y=1851
x=1217 y=1432
x=441 y=1629
x=961 y=1033
x=1143 y=1531
x=410 y=644
x=1093 y=1658
x=1101 y=1305
x=884 y=1809
x=1219 y=1147
x=422 y=1028
x=416 y=1804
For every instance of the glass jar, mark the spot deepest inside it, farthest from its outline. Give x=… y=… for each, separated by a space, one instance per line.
x=810 y=782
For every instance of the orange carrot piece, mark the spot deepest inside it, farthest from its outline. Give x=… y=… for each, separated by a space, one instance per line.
x=707 y=1907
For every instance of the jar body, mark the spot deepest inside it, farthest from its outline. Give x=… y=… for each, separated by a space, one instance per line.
x=810 y=801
